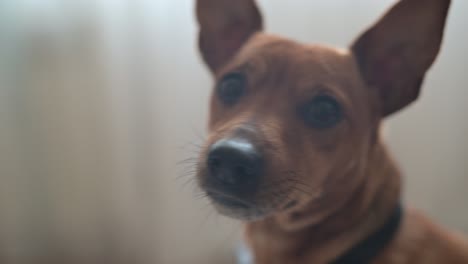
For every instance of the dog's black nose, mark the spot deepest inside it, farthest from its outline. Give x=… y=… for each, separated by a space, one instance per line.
x=235 y=165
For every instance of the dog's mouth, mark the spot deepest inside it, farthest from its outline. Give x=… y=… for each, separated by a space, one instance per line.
x=245 y=210
x=228 y=201
x=236 y=207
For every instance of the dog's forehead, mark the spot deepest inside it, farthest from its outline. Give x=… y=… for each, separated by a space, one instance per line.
x=297 y=66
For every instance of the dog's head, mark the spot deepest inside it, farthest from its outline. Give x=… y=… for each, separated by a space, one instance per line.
x=293 y=124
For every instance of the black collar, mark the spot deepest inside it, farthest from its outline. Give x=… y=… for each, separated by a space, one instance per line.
x=370 y=247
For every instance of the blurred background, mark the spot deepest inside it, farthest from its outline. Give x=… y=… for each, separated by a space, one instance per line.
x=99 y=100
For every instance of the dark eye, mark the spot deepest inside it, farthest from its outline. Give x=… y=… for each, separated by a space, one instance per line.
x=322 y=112
x=231 y=88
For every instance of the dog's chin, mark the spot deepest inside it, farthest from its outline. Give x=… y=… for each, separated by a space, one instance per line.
x=239 y=210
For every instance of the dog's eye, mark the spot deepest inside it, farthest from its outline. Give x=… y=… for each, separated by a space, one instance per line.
x=231 y=88
x=322 y=112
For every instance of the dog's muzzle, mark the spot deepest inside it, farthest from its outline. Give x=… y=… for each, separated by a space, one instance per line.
x=234 y=168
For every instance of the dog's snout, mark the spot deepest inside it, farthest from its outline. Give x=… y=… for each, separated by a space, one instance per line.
x=234 y=165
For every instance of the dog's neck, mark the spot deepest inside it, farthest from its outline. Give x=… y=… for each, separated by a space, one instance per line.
x=362 y=215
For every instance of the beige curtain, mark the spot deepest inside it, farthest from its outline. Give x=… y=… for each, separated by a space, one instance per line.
x=76 y=148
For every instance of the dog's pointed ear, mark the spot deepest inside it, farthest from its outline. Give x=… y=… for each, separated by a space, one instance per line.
x=394 y=54
x=225 y=25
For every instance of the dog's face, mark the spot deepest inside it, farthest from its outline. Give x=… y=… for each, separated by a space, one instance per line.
x=293 y=124
x=298 y=111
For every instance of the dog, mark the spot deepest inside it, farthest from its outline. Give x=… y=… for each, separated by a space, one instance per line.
x=294 y=147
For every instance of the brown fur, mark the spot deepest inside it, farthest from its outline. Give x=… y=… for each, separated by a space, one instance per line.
x=325 y=189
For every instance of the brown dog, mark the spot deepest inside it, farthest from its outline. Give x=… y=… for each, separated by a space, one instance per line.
x=294 y=146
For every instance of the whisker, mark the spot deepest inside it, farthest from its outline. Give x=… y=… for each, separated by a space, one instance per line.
x=201 y=195
x=189 y=181
x=302 y=185
x=187 y=160
x=189 y=172
x=303 y=191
